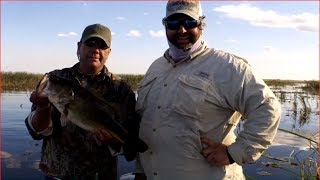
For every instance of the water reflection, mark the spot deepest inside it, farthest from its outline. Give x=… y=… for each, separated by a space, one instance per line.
x=305 y=111
x=299 y=104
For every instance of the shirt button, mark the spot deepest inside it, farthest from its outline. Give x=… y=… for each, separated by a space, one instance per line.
x=154 y=130
x=165 y=85
x=151 y=152
x=155 y=173
x=159 y=107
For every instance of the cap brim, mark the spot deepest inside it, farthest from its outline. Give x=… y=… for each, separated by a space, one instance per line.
x=188 y=13
x=97 y=36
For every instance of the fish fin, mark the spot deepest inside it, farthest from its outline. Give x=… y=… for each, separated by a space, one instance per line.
x=65 y=110
x=63 y=120
x=61 y=80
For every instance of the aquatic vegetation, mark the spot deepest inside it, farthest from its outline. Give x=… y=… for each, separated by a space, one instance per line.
x=17 y=81
x=24 y=81
x=311 y=86
x=301 y=110
x=132 y=79
x=308 y=167
x=301 y=106
x=305 y=110
x=281 y=83
x=310 y=139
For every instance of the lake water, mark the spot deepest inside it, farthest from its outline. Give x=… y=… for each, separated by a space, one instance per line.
x=20 y=154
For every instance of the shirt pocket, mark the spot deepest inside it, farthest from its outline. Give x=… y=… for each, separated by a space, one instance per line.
x=189 y=140
x=143 y=91
x=190 y=95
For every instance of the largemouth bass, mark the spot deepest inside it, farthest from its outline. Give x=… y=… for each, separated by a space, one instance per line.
x=89 y=111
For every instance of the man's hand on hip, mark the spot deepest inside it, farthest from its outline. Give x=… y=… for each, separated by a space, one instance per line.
x=215 y=153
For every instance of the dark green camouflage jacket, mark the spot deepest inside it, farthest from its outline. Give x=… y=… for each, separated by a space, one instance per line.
x=73 y=153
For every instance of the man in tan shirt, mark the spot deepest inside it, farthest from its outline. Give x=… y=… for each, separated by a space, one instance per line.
x=191 y=100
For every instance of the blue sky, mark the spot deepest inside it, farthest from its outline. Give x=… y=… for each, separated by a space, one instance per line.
x=280 y=39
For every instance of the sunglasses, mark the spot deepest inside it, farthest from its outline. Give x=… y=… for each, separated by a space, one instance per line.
x=92 y=43
x=176 y=24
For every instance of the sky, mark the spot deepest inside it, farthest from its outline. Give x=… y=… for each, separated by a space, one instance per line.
x=279 y=39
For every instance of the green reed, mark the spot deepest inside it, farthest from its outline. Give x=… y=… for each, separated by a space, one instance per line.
x=310 y=139
x=132 y=79
x=281 y=83
x=308 y=166
x=24 y=81
x=19 y=81
x=311 y=86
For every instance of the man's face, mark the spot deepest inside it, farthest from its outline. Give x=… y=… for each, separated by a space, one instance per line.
x=93 y=55
x=186 y=34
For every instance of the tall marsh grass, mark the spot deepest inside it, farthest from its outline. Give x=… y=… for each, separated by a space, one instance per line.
x=133 y=80
x=311 y=86
x=24 y=81
x=19 y=81
x=280 y=83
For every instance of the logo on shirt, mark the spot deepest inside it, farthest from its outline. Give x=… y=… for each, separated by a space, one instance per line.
x=202 y=74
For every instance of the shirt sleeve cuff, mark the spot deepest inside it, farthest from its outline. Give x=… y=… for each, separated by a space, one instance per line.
x=114 y=152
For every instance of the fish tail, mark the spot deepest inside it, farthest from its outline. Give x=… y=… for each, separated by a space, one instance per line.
x=142 y=146
x=132 y=147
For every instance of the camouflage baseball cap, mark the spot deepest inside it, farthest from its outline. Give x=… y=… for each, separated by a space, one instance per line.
x=191 y=8
x=97 y=30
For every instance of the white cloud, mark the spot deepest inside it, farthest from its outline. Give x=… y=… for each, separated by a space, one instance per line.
x=269 y=49
x=300 y=63
x=159 y=33
x=269 y=18
x=134 y=33
x=120 y=18
x=69 y=34
x=232 y=41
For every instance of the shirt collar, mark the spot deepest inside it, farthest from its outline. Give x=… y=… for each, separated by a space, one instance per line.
x=76 y=73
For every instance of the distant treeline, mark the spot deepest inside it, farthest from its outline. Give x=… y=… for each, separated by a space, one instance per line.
x=23 y=81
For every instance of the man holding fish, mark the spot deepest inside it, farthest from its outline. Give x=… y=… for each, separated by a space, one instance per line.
x=192 y=98
x=85 y=115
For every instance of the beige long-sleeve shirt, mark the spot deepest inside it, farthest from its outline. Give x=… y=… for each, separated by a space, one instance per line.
x=205 y=95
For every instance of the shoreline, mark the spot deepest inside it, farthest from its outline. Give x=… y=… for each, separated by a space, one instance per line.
x=23 y=81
